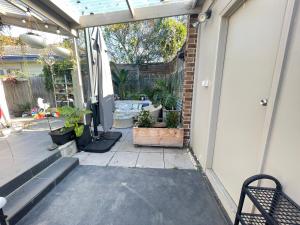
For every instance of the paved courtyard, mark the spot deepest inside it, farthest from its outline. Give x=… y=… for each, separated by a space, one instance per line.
x=20 y=151
x=95 y=195
x=125 y=154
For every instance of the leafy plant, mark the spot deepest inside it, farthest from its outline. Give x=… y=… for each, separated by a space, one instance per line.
x=163 y=94
x=73 y=116
x=172 y=120
x=119 y=78
x=59 y=68
x=21 y=108
x=170 y=102
x=144 y=119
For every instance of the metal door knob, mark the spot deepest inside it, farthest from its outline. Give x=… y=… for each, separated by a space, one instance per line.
x=264 y=102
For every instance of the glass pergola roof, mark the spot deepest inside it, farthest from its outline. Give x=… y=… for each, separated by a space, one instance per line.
x=70 y=15
x=87 y=7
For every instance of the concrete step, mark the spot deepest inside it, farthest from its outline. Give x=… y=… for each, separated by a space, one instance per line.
x=18 y=181
x=28 y=195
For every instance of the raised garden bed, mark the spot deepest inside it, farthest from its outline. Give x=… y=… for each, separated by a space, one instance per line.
x=165 y=137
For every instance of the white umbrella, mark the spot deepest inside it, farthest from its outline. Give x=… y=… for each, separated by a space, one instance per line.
x=103 y=86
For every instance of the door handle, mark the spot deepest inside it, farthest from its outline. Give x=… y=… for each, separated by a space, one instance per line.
x=264 y=102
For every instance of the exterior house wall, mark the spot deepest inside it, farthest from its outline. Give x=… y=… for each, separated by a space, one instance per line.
x=282 y=155
x=30 y=68
x=3 y=104
x=204 y=70
x=280 y=148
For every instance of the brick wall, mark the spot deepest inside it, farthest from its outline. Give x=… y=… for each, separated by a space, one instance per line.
x=188 y=82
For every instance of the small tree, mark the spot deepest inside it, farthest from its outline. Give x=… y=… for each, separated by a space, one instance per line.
x=156 y=40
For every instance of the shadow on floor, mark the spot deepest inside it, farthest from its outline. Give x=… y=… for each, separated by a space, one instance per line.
x=92 y=195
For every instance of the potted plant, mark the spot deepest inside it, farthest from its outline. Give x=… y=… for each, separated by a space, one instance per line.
x=169 y=105
x=146 y=133
x=73 y=127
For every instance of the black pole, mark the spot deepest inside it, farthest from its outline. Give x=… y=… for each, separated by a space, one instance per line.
x=2 y=218
x=95 y=118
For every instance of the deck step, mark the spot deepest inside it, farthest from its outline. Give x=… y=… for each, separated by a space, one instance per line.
x=28 y=195
x=18 y=181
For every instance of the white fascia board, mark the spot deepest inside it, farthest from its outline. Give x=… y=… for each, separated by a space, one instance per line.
x=163 y=10
x=64 y=8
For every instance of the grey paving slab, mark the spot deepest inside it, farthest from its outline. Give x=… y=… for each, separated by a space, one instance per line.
x=151 y=149
x=124 y=159
x=128 y=147
x=98 y=159
x=178 y=160
x=150 y=160
x=175 y=150
x=92 y=195
x=81 y=156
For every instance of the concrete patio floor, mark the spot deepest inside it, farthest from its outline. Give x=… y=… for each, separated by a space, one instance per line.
x=19 y=152
x=125 y=154
x=94 y=195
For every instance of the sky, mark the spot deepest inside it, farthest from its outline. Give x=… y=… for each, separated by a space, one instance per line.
x=16 y=31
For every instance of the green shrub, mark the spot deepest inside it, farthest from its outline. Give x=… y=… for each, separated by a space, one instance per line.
x=170 y=102
x=144 y=119
x=172 y=120
x=26 y=107
x=73 y=116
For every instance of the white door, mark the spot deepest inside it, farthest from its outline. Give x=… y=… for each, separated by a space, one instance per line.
x=252 y=42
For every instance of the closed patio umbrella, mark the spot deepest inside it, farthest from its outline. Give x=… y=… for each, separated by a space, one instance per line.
x=102 y=79
x=102 y=94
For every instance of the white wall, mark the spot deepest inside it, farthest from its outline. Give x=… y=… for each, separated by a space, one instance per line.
x=283 y=153
x=283 y=146
x=30 y=68
x=207 y=48
x=3 y=104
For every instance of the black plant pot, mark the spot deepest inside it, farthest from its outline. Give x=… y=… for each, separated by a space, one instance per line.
x=61 y=137
x=84 y=139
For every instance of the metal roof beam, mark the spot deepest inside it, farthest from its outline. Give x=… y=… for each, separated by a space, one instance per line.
x=40 y=26
x=151 y=12
x=23 y=8
x=130 y=8
x=52 y=14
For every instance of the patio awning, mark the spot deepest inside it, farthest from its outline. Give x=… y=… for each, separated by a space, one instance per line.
x=70 y=15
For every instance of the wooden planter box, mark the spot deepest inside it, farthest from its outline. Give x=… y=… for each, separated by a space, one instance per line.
x=168 y=137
